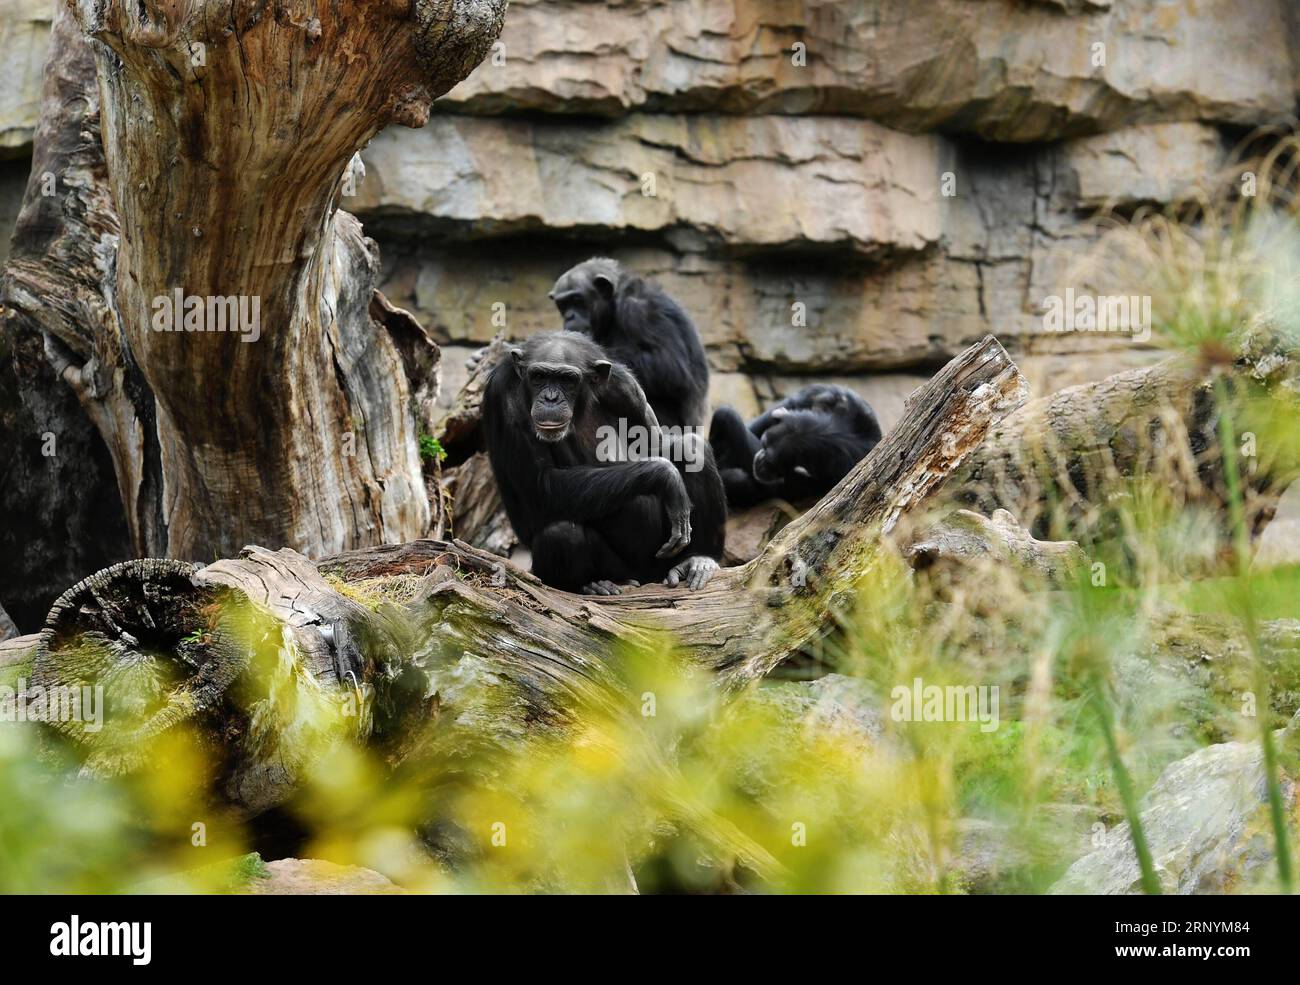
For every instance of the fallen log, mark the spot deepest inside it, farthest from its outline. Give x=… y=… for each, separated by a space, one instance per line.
x=1055 y=462
x=963 y=544
x=240 y=650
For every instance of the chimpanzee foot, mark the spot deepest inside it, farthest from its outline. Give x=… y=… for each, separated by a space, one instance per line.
x=606 y=587
x=694 y=572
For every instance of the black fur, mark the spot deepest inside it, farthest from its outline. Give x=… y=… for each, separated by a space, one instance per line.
x=643 y=328
x=590 y=522
x=823 y=430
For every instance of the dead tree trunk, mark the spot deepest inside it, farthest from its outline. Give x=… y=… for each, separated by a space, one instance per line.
x=441 y=612
x=198 y=286
x=1052 y=463
x=61 y=433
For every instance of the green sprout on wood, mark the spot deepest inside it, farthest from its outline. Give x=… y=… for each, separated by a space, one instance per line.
x=431 y=449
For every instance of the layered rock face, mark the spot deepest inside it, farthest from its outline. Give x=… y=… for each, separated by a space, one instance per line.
x=849 y=191
x=24 y=34
x=836 y=190
x=1003 y=70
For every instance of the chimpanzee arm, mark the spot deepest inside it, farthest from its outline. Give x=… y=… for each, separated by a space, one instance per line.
x=734 y=445
x=517 y=460
x=584 y=492
x=622 y=396
x=591 y=491
x=816 y=396
x=743 y=489
x=537 y=491
x=805 y=399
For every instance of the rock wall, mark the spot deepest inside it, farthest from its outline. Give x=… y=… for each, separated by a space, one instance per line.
x=24 y=34
x=836 y=190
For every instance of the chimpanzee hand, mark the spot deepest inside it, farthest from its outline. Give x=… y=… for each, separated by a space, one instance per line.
x=695 y=571
x=606 y=587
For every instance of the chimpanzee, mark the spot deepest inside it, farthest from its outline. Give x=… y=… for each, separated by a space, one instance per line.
x=643 y=328
x=595 y=519
x=798 y=449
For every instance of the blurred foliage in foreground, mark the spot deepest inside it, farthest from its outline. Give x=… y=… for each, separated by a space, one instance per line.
x=796 y=785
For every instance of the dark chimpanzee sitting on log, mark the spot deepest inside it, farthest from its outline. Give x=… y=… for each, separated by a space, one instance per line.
x=563 y=424
x=798 y=449
x=643 y=328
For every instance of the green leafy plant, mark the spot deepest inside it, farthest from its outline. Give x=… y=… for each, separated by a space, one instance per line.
x=431 y=449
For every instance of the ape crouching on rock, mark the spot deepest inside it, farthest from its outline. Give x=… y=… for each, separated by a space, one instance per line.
x=556 y=416
x=643 y=328
x=798 y=449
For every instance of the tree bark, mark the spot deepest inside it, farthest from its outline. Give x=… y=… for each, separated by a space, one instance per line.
x=1051 y=463
x=209 y=162
x=351 y=626
x=65 y=431
x=963 y=541
x=471 y=500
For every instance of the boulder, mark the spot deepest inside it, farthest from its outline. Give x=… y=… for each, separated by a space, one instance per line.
x=1163 y=162
x=749 y=530
x=1279 y=544
x=735 y=390
x=1206 y=821
x=786 y=269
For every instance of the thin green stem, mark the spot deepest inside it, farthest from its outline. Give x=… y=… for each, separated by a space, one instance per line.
x=1241 y=554
x=1150 y=883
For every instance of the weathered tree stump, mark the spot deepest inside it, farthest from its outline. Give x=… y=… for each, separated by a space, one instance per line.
x=201 y=149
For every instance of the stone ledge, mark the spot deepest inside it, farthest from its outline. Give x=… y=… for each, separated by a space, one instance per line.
x=1000 y=69
x=747 y=181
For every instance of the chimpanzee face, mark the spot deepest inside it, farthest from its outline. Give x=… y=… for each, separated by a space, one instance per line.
x=585 y=297
x=556 y=391
x=786 y=452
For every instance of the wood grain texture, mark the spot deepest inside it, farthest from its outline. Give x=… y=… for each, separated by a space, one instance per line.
x=204 y=146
